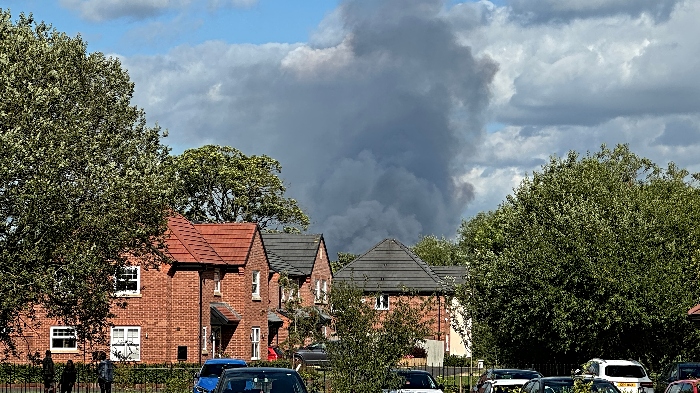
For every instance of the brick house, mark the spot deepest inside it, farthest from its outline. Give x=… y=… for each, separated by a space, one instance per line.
x=389 y=269
x=211 y=300
x=303 y=260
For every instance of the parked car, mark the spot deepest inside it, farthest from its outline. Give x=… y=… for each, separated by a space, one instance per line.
x=520 y=376
x=311 y=355
x=416 y=381
x=679 y=370
x=274 y=353
x=684 y=386
x=260 y=379
x=565 y=384
x=502 y=385
x=208 y=376
x=628 y=375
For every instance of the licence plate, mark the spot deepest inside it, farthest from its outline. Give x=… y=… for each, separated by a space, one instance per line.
x=626 y=384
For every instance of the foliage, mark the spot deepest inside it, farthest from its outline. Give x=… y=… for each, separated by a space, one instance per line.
x=439 y=252
x=81 y=182
x=592 y=257
x=343 y=259
x=370 y=342
x=124 y=374
x=221 y=184
x=306 y=321
x=457 y=361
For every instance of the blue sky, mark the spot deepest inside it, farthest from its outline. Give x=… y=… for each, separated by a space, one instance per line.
x=400 y=118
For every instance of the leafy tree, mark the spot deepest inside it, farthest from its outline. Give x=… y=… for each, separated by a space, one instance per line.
x=343 y=259
x=592 y=256
x=81 y=183
x=221 y=184
x=439 y=252
x=371 y=342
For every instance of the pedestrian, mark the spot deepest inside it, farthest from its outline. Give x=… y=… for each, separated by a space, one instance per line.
x=105 y=373
x=68 y=377
x=48 y=372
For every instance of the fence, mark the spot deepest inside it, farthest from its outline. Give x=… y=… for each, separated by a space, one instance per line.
x=127 y=379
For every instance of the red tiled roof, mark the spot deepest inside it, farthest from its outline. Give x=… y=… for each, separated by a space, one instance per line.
x=227 y=312
x=231 y=241
x=186 y=244
x=695 y=311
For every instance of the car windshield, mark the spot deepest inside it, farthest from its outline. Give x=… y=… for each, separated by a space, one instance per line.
x=418 y=381
x=567 y=386
x=515 y=374
x=625 y=371
x=215 y=370
x=262 y=382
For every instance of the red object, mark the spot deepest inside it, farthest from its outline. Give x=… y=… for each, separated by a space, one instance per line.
x=271 y=354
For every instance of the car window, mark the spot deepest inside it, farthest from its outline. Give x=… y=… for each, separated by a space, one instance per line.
x=317 y=346
x=673 y=388
x=215 y=370
x=418 y=381
x=487 y=387
x=519 y=374
x=527 y=386
x=535 y=388
x=604 y=387
x=686 y=388
x=689 y=372
x=630 y=371
x=259 y=382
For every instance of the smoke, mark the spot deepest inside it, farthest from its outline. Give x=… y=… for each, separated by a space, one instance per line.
x=372 y=125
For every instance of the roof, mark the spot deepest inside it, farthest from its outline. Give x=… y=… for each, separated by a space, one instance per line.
x=280 y=266
x=273 y=318
x=186 y=244
x=391 y=267
x=451 y=274
x=223 y=314
x=297 y=250
x=231 y=241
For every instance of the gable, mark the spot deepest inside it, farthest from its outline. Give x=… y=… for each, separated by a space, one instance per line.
x=390 y=267
x=185 y=243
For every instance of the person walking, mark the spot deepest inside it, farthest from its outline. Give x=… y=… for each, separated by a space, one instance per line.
x=48 y=372
x=68 y=377
x=105 y=373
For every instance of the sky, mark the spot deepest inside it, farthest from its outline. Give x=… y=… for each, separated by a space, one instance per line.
x=401 y=118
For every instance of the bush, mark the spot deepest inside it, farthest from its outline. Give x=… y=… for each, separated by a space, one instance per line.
x=457 y=361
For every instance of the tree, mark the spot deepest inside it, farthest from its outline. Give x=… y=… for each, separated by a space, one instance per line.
x=371 y=343
x=221 y=184
x=343 y=259
x=592 y=256
x=439 y=252
x=81 y=182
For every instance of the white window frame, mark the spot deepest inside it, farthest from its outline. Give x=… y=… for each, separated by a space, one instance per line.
x=324 y=294
x=127 y=339
x=255 y=343
x=217 y=282
x=62 y=333
x=129 y=292
x=380 y=303
x=204 y=338
x=256 y=284
x=317 y=295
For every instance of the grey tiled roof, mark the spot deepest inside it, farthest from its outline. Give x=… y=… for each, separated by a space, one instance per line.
x=280 y=266
x=297 y=250
x=390 y=267
x=451 y=274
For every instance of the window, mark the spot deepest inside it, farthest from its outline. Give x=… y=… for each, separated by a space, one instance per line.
x=382 y=302
x=127 y=281
x=317 y=297
x=63 y=338
x=255 y=344
x=126 y=343
x=217 y=283
x=204 y=338
x=256 y=284
x=324 y=294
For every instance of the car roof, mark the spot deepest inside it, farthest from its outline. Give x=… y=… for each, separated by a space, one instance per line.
x=617 y=362
x=410 y=371
x=258 y=370
x=225 y=361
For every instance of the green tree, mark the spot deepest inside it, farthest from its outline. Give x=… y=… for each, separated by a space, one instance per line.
x=439 y=251
x=592 y=256
x=343 y=259
x=371 y=342
x=81 y=182
x=221 y=184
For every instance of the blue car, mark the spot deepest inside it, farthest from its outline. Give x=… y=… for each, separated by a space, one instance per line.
x=207 y=378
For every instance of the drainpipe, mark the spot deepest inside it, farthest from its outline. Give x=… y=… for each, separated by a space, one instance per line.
x=199 y=345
